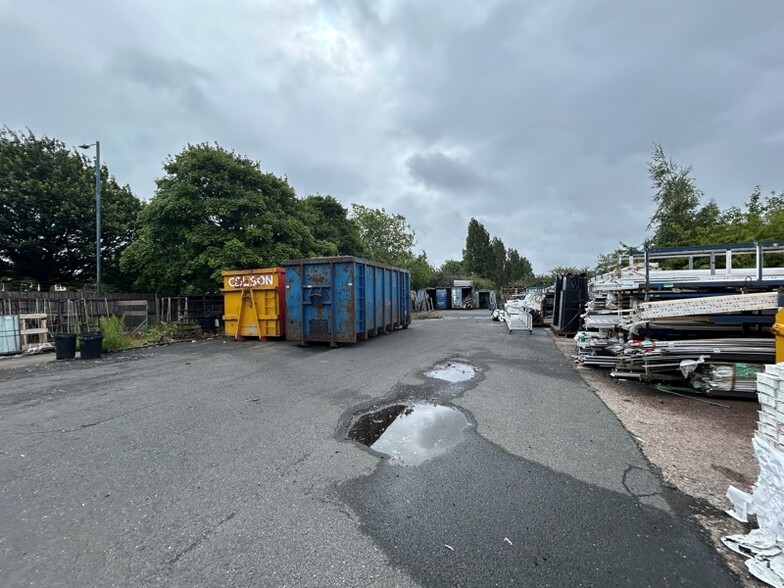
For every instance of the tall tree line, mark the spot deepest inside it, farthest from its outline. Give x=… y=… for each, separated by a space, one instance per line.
x=489 y=258
x=213 y=209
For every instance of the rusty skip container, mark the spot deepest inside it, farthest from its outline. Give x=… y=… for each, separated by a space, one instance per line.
x=344 y=299
x=254 y=303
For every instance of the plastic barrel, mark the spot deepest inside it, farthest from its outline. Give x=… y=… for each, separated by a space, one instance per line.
x=65 y=345
x=90 y=345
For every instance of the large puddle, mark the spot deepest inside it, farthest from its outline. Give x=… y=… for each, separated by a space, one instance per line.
x=452 y=371
x=411 y=434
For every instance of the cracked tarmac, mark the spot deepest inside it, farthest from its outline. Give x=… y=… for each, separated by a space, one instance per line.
x=501 y=516
x=226 y=464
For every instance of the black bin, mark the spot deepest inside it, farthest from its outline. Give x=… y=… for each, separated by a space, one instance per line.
x=207 y=323
x=65 y=345
x=90 y=345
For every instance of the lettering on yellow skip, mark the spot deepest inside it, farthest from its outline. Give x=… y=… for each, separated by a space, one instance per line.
x=253 y=281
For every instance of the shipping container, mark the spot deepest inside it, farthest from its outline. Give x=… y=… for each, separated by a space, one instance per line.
x=484 y=299
x=442 y=299
x=344 y=299
x=254 y=303
x=462 y=296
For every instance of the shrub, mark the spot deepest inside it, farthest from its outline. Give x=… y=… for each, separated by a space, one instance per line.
x=114 y=335
x=159 y=333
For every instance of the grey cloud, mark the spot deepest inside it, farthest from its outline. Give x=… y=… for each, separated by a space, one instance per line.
x=553 y=107
x=441 y=172
x=182 y=80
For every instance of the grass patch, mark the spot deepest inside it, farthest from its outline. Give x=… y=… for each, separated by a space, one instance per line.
x=117 y=338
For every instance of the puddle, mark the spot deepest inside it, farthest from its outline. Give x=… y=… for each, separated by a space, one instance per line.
x=411 y=434
x=452 y=371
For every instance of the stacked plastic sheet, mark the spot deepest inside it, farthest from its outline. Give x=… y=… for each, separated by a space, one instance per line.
x=764 y=547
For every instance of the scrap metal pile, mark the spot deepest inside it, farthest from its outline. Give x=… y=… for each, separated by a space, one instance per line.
x=710 y=332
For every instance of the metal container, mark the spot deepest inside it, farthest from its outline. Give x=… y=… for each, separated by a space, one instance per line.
x=344 y=299
x=254 y=303
x=441 y=298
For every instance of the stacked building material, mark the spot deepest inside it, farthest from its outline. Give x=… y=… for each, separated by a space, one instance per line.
x=713 y=362
x=738 y=379
x=764 y=547
x=530 y=302
x=706 y=328
x=704 y=314
x=770 y=391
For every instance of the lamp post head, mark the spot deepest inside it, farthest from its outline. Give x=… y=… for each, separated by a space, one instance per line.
x=86 y=146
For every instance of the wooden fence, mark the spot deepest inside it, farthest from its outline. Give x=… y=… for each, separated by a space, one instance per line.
x=28 y=318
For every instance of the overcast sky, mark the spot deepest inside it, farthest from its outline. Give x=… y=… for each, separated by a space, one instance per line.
x=537 y=118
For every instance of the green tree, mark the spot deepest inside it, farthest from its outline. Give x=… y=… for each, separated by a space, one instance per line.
x=47 y=214
x=773 y=217
x=447 y=272
x=517 y=268
x=215 y=210
x=328 y=221
x=762 y=219
x=677 y=219
x=478 y=254
x=706 y=223
x=453 y=267
x=496 y=271
x=387 y=238
x=422 y=272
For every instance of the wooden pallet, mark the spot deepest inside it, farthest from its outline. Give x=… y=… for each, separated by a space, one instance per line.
x=32 y=330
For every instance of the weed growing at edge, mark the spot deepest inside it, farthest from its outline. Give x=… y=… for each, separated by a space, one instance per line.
x=114 y=335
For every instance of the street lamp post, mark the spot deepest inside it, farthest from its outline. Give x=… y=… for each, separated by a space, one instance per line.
x=97 y=145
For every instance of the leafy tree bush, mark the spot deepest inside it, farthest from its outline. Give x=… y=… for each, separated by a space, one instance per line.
x=215 y=210
x=47 y=214
x=449 y=271
x=421 y=271
x=388 y=238
x=677 y=201
x=328 y=220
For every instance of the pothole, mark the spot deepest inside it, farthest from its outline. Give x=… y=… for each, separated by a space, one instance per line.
x=452 y=371
x=411 y=434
